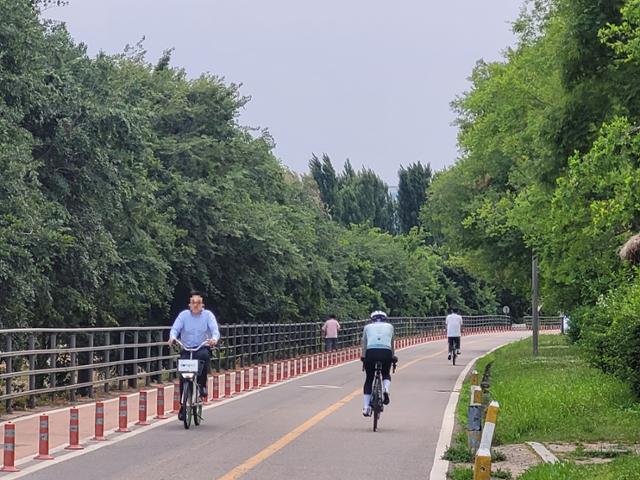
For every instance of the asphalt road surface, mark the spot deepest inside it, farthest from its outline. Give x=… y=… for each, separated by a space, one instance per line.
x=307 y=428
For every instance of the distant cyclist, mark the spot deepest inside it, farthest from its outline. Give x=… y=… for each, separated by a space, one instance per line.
x=377 y=346
x=454 y=330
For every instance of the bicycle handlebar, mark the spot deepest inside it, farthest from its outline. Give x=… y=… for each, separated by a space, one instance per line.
x=184 y=347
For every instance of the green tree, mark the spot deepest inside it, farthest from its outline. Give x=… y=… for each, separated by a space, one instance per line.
x=325 y=176
x=413 y=185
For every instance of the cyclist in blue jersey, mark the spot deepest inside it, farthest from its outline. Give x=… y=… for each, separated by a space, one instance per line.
x=377 y=346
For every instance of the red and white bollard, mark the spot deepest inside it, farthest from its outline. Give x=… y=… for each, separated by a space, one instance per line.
x=176 y=398
x=246 y=379
x=285 y=372
x=238 y=382
x=74 y=430
x=256 y=380
x=99 y=424
x=122 y=415
x=278 y=371
x=160 y=403
x=142 y=408
x=216 y=387
x=9 y=464
x=272 y=373
x=263 y=378
x=227 y=384
x=43 y=441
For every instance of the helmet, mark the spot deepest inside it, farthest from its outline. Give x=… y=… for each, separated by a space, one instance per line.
x=378 y=316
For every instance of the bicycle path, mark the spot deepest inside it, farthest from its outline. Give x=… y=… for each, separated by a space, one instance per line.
x=309 y=427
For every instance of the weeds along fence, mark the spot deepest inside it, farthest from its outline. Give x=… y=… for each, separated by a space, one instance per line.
x=46 y=363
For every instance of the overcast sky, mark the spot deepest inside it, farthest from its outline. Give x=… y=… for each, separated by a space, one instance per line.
x=361 y=79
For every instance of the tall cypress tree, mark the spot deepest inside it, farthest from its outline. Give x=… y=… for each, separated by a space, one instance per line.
x=412 y=193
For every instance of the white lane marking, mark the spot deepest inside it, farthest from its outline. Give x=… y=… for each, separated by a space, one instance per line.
x=318 y=387
x=440 y=466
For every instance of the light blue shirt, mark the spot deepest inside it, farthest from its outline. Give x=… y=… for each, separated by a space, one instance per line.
x=195 y=329
x=377 y=335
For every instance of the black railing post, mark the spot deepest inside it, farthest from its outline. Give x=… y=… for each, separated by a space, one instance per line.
x=53 y=344
x=159 y=366
x=73 y=363
x=32 y=367
x=107 y=360
x=235 y=346
x=147 y=379
x=133 y=382
x=121 y=360
x=9 y=369
x=90 y=390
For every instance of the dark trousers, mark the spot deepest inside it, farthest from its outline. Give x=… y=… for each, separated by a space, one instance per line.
x=372 y=356
x=454 y=342
x=204 y=365
x=330 y=344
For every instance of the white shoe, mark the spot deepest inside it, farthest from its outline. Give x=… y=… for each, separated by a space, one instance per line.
x=458 y=352
x=366 y=412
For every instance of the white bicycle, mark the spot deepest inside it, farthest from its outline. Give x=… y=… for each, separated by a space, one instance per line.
x=191 y=402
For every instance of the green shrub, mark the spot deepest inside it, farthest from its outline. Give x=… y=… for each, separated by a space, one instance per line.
x=610 y=333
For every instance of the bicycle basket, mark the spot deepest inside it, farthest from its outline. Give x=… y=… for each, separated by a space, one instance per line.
x=186 y=365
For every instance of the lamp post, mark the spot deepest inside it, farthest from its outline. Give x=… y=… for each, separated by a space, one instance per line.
x=535 y=324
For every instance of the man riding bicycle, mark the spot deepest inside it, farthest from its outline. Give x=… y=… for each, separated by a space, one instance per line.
x=194 y=326
x=454 y=331
x=377 y=346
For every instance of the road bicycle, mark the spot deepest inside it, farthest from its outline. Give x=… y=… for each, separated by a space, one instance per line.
x=377 y=396
x=453 y=348
x=190 y=402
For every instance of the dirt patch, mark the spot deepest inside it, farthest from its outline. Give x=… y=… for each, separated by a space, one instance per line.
x=584 y=453
x=519 y=458
x=560 y=448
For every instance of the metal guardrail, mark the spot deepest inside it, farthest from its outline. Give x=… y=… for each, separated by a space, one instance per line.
x=47 y=362
x=549 y=321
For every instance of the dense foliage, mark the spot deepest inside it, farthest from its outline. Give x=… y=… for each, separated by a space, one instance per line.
x=123 y=185
x=550 y=166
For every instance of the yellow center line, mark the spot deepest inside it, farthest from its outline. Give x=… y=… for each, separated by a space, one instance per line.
x=286 y=439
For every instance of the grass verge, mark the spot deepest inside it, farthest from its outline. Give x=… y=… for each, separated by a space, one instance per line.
x=622 y=468
x=555 y=396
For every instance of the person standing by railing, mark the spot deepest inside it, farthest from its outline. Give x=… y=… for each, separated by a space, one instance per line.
x=330 y=331
x=193 y=326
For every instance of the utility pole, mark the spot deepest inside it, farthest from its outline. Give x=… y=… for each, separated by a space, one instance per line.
x=535 y=324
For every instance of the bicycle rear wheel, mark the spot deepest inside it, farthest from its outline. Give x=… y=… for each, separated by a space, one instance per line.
x=197 y=412
x=187 y=404
x=376 y=400
x=376 y=416
x=453 y=356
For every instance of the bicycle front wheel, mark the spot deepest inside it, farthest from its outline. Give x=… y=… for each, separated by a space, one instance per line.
x=187 y=403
